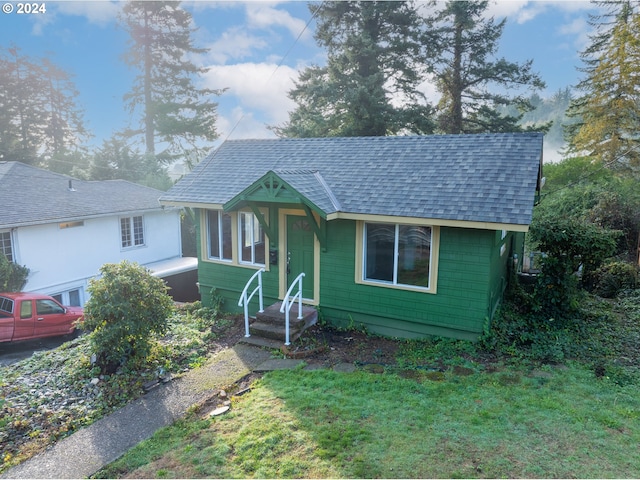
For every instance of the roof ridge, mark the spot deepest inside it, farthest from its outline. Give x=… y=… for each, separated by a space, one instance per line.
x=334 y=200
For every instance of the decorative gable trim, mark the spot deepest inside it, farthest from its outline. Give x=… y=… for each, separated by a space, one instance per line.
x=273 y=188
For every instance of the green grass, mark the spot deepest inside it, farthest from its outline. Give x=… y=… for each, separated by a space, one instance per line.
x=552 y=422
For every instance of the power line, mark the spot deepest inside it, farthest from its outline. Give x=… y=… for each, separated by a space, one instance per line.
x=304 y=29
x=211 y=156
x=584 y=177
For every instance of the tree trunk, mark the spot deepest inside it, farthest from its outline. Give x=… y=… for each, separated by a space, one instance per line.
x=148 y=99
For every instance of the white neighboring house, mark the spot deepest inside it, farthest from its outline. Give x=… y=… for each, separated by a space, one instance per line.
x=64 y=230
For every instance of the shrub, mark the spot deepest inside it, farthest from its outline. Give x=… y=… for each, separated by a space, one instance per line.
x=612 y=278
x=127 y=306
x=13 y=277
x=522 y=330
x=570 y=244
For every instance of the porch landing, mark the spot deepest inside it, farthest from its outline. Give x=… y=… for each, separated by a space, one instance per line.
x=268 y=328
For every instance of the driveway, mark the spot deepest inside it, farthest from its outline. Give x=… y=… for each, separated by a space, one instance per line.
x=12 y=352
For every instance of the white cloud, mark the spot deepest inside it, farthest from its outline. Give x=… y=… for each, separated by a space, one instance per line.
x=501 y=9
x=579 y=29
x=235 y=44
x=263 y=15
x=98 y=12
x=259 y=90
x=240 y=123
x=522 y=11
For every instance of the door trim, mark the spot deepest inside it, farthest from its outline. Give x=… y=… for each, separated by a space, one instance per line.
x=282 y=256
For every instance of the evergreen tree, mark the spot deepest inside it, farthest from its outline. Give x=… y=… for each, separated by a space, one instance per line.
x=174 y=112
x=64 y=124
x=461 y=45
x=22 y=120
x=39 y=118
x=369 y=85
x=115 y=159
x=609 y=107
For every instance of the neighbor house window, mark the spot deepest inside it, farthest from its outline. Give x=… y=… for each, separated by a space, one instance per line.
x=64 y=225
x=220 y=246
x=251 y=238
x=70 y=297
x=6 y=247
x=132 y=231
x=397 y=254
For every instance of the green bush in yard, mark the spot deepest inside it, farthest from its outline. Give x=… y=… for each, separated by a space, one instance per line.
x=13 y=277
x=127 y=307
x=569 y=245
x=614 y=277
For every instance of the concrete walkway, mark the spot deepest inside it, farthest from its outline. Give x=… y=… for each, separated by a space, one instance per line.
x=89 y=449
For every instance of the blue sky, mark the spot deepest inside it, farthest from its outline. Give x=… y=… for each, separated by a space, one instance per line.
x=256 y=51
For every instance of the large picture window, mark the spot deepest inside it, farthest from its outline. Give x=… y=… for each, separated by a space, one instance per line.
x=397 y=254
x=251 y=237
x=219 y=235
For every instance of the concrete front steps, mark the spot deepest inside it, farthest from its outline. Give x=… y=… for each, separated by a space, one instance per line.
x=268 y=328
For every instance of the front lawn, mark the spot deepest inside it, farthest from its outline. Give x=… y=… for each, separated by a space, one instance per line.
x=440 y=409
x=556 y=406
x=555 y=422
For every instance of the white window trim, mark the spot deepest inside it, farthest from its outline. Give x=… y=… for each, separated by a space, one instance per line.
x=236 y=238
x=252 y=232
x=207 y=242
x=12 y=244
x=361 y=262
x=133 y=245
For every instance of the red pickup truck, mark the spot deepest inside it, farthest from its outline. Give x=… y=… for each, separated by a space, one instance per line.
x=24 y=316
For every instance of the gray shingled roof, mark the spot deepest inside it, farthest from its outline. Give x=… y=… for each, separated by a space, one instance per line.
x=31 y=196
x=479 y=178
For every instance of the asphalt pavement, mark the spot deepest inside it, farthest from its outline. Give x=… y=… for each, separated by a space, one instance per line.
x=13 y=352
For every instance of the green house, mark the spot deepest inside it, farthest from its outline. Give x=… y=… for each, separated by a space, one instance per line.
x=408 y=236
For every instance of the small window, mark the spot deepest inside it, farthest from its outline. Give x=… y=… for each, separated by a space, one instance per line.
x=251 y=237
x=397 y=254
x=503 y=246
x=132 y=231
x=220 y=245
x=74 y=298
x=70 y=297
x=71 y=224
x=6 y=247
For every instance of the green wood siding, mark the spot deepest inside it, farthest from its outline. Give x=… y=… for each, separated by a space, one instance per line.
x=469 y=280
x=459 y=308
x=229 y=280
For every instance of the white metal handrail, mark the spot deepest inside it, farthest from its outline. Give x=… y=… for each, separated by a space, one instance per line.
x=288 y=303
x=244 y=300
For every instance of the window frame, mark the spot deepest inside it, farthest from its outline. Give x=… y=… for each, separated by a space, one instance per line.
x=361 y=252
x=131 y=242
x=236 y=238
x=252 y=245
x=221 y=236
x=4 y=235
x=503 y=244
x=64 y=298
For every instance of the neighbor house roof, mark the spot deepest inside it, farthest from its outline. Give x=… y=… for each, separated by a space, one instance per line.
x=31 y=196
x=471 y=178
